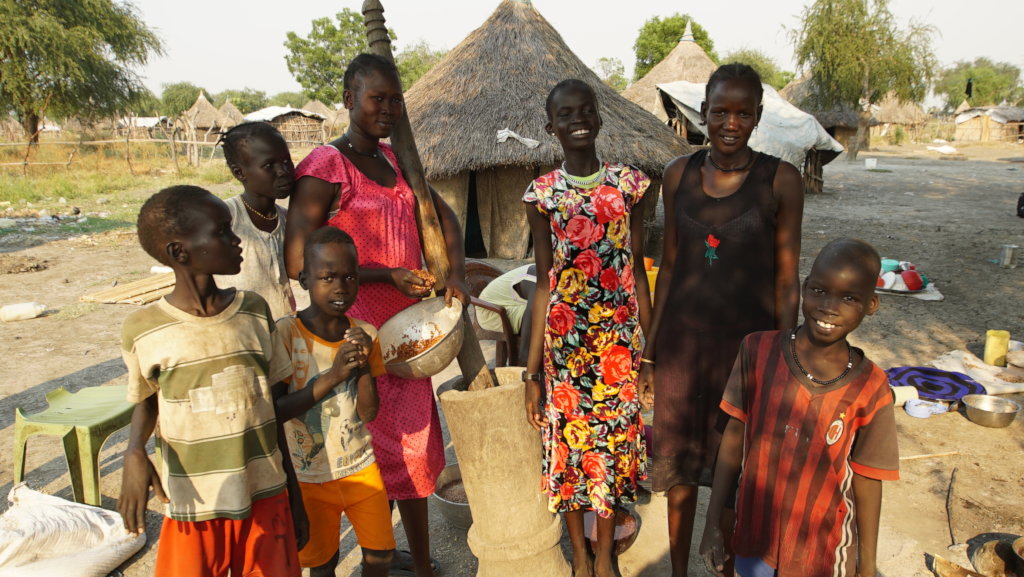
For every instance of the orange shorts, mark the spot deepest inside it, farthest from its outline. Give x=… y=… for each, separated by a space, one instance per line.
x=261 y=545
x=361 y=497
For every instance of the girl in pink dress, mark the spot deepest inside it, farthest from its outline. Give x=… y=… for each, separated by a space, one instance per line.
x=354 y=184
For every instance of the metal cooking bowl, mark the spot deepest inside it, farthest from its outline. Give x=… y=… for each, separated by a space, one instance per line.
x=417 y=323
x=990 y=411
x=458 y=514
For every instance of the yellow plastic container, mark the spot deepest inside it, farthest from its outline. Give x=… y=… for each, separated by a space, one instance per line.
x=652 y=276
x=997 y=343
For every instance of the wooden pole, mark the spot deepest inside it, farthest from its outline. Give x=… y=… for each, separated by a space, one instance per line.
x=435 y=251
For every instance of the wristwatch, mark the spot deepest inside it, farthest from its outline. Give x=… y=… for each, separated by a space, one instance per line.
x=531 y=377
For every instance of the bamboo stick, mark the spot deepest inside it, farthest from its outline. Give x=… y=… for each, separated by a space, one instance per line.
x=435 y=251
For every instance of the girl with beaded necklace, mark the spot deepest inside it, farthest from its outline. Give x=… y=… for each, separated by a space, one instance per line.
x=258 y=157
x=729 y=268
x=585 y=339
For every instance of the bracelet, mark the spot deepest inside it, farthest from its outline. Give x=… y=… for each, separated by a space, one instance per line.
x=648 y=361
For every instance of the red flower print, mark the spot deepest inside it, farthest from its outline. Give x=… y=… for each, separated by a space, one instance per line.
x=565 y=397
x=627 y=279
x=561 y=454
x=582 y=231
x=712 y=241
x=627 y=393
x=594 y=465
x=572 y=475
x=608 y=204
x=711 y=253
x=616 y=364
x=588 y=262
x=621 y=315
x=609 y=279
x=566 y=491
x=561 y=318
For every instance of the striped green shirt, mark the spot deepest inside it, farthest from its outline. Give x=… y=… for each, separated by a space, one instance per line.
x=216 y=433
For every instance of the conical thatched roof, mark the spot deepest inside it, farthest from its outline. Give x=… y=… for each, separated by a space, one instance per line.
x=229 y=115
x=202 y=114
x=321 y=109
x=499 y=77
x=687 y=61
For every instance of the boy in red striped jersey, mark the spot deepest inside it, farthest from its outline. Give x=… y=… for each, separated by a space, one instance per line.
x=813 y=430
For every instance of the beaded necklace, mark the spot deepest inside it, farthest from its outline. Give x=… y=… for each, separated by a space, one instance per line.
x=796 y=359
x=584 y=182
x=258 y=213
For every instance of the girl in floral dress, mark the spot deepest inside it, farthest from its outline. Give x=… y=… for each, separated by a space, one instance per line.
x=588 y=310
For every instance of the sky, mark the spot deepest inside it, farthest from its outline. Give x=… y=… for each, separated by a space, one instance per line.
x=230 y=44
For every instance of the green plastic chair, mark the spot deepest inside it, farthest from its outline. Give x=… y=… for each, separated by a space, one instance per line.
x=85 y=420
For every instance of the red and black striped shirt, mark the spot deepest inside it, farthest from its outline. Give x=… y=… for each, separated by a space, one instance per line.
x=802 y=445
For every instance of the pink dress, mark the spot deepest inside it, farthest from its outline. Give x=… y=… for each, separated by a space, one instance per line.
x=382 y=221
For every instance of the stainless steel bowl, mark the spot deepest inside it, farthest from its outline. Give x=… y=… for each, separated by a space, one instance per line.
x=458 y=514
x=990 y=411
x=419 y=322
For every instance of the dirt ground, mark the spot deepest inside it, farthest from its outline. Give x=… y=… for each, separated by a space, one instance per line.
x=950 y=217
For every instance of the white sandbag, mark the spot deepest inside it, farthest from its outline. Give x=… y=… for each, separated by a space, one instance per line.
x=45 y=535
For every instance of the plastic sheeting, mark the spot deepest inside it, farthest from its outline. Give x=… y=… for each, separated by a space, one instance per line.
x=785 y=131
x=45 y=535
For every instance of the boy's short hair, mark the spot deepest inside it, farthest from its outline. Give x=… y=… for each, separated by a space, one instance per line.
x=853 y=252
x=326 y=235
x=168 y=214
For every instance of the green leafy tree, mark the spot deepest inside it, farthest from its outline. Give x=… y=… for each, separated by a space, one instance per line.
x=293 y=99
x=659 y=36
x=612 y=72
x=415 y=61
x=70 y=58
x=991 y=83
x=856 y=54
x=765 y=66
x=245 y=100
x=179 y=97
x=318 y=61
x=144 y=103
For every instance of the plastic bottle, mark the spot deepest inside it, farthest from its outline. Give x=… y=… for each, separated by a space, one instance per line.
x=21 y=311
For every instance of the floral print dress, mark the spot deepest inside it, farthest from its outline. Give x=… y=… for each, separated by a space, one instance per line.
x=594 y=450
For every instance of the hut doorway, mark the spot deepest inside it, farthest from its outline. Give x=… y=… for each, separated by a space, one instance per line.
x=475 y=247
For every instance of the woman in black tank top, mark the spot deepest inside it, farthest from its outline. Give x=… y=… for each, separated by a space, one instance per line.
x=729 y=268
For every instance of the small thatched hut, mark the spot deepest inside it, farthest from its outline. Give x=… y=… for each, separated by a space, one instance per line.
x=894 y=116
x=493 y=84
x=990 y=124
x=687 y=62
x=201 y=120
x=230 y=116
x=839 y=122
x=300 y=128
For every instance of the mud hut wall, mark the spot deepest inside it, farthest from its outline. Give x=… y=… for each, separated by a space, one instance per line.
x=299 y=130
x=845 y=135
x=974 y=130
x=499 y=193
x=455 y=191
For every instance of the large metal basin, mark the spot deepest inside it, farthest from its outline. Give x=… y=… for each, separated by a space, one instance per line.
x=417 y=323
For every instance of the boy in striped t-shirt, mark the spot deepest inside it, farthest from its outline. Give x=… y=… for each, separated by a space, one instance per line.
x=813 y=430
x=201 y=363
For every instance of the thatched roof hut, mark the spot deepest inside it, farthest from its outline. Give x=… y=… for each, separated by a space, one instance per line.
x=687 y=62
x=498 y=79
x=300 y=128
x=230 y=116
x=894 y=115
x=201 y=121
